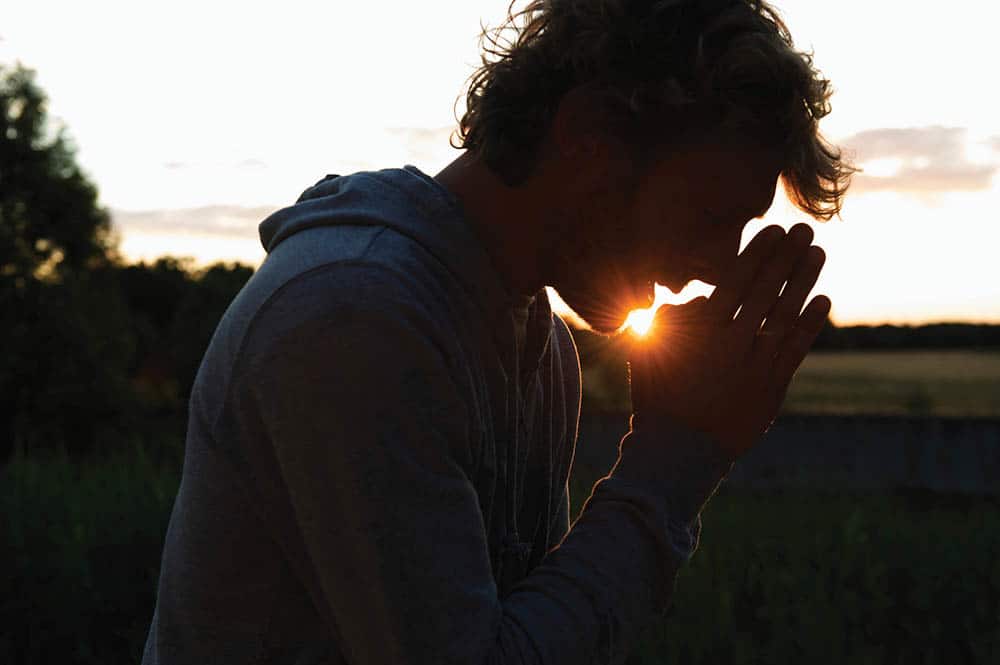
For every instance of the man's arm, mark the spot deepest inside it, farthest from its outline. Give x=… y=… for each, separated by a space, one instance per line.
x=372 y=438
x=560 y=525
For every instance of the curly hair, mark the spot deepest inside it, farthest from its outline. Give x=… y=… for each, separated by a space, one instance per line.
x=662 y=72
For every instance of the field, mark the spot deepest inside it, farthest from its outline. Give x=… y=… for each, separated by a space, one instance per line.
x=962 y=384
x=778 y=578
x=921 y=383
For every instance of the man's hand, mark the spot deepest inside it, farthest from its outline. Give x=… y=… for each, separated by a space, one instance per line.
x=726 y=373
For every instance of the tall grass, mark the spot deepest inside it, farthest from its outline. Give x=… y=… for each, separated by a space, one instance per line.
x=778 y=578
x=801 y=578
x=80 y=550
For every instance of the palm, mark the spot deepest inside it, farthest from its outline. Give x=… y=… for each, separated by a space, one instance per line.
x=722 y=365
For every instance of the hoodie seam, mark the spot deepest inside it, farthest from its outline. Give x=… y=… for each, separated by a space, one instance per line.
x=446 y=207
x=237 y=370
x=238 y=358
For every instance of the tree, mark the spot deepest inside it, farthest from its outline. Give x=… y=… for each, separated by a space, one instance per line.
x=62 y=321
x=50 y=223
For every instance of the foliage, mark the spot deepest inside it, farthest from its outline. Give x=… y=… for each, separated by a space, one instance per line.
x=58 y=327
x=94 y=350
x=80 y=547
x=605 y=376
x=95 y=361
x=786 y=577
x=777 y=578
x=99 y=355
x=933 y=336
x=174 y=310
x=197 y=315
x=65 y=371
x=837 y=579
x=50 y=224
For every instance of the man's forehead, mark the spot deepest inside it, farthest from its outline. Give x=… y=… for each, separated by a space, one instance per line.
x=735 y=175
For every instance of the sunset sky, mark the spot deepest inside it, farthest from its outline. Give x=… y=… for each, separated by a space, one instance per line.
x=197 y=119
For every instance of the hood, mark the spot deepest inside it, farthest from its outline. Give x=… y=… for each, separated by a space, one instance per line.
x=417 y=206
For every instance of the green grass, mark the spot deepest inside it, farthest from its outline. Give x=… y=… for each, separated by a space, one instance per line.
x=799 y=577
x=777 y=578
x=923 y=383
x=80 y=547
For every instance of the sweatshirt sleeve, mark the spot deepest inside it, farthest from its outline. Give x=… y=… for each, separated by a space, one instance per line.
x=371 y=438
x=561 y=521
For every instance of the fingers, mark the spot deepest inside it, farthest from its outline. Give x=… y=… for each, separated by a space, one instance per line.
x=799 y=340
x=785 y=312
x=734 y=284
x=767 y=284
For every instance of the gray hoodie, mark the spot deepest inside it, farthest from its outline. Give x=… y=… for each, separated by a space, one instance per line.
x=377 y=456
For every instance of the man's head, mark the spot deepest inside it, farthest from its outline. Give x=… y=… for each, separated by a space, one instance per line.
x=661 y=127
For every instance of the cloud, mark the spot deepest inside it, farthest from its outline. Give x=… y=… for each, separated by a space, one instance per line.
x=920 y=160
x=425 y=144
x=217 y=220
x=248 y=163
x=251 y=163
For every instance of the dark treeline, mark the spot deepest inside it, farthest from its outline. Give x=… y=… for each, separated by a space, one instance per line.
x=97 y=354
x=97 y=363
x=605 y=383
x=867 y=338
x=935 y=336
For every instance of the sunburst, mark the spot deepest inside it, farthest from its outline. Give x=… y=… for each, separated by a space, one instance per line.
x=640 y=320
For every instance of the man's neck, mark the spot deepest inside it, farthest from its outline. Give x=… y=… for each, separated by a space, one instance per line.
x=513 y=222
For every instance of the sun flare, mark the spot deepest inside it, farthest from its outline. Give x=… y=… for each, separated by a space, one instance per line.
x=640 y=320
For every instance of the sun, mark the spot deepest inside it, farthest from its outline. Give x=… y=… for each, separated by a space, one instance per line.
x=640 y=320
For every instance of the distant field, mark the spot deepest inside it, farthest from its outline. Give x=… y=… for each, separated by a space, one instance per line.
x=938 y=383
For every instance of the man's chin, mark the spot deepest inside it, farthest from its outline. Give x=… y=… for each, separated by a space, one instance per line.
x=603 y=330
x=604 y=324
x=599 y=313
x=676 y=285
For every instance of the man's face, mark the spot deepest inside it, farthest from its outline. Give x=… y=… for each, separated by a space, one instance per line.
x=680 y=220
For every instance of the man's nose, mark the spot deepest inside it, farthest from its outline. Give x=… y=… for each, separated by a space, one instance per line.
x=723 y=254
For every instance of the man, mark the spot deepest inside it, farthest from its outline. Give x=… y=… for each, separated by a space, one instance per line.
x=382 y=429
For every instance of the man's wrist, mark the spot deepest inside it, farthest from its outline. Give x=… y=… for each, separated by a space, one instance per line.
x=684 y=465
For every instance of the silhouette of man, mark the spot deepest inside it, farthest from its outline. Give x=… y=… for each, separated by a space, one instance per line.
x=382 y=429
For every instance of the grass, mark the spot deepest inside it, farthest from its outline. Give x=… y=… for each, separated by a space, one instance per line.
x=80 y=547
x=921 y=383
x=787 y=577
x=777 y=578
x=837 y=579
x=962 y=384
